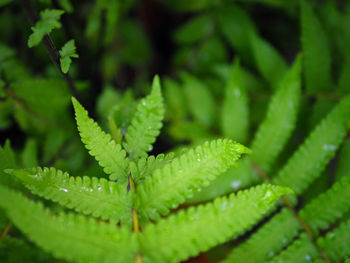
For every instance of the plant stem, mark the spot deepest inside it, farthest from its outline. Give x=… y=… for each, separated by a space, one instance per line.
x=49 y=46
x=4 y=232
x=135 y=218
x=290 y=206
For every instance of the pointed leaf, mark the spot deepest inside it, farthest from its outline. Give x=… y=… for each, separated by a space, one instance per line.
x=197 y=229
x=280 y=120
x=100 y=145
x=146 y=124
x=312 y=156
x=235 y=111
x=91 y=196
x=68 y=236
x=316 y=51
x=176 y=181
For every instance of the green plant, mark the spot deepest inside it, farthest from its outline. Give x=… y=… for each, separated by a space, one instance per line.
x=270 y=74
x=141 y=188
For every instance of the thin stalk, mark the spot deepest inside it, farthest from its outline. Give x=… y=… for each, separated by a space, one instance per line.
x=5 y=232
x=49 y=46
x=135 y=218
x=290 y=206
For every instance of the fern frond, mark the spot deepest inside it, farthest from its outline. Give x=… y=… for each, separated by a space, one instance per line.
x=312 y=156
x=91 y=196
x=176 y=181
x=302 y=250
x=146 y=123
x=200 y=101
x=329 y=206
x=197 y=229
x=337 y=242
x=235 y=111
x=7 y=161
x=280 y=120
x=100 y=145
x=269 y=62
x=268 y=240
x=316 y=50
x=76 y=238
x=343 y=165
x=146 y=166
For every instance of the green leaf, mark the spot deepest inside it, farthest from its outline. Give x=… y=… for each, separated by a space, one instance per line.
x=197 y=229
x=317 y=57
x=200 y=102
x=100 y=145
x=195 y=30
x=66 y=5
x=329 y=206
x=236 y=25
x=320 y=146
x=268 y=240
x=91 y=196
x=49 y=21
x=176 y=181
x=30 y=154
x=280 y=120
x=146 y=166
x=67 y=52
x=302 y=250
x=343 y=165
x=235 y=111
x=146 y=124
x=76 y=238
x=7 y=161
x=337 y=242
x=269 y=62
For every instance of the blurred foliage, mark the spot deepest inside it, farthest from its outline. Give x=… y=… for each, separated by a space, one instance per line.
x=266 y=73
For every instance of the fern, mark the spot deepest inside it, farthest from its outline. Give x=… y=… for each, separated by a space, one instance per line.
x=268 y=61
x=197 y=229
x=110 y=155
x=67 y=52
x=336 y=243
x=314 y=43
x=49 y=21
x=235 y=122
x=268 y=241
x=302 y=250
x=76 y=238
x=280 y=120
x=91 y=196
x=283 y=227
x=146 y=123
x=200 y=101
x=323 y=211
x=171 y=185
x=145 y=167
x=310 y=159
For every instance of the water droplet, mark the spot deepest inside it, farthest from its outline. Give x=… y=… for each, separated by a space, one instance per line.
x=63 y=189
x=307 y=257
x=198 y=159
x=271 y=254
x=235 y=184
x=328 y=147
x=237 y=92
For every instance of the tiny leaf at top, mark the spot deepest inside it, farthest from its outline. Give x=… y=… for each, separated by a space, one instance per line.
x=146 y=124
